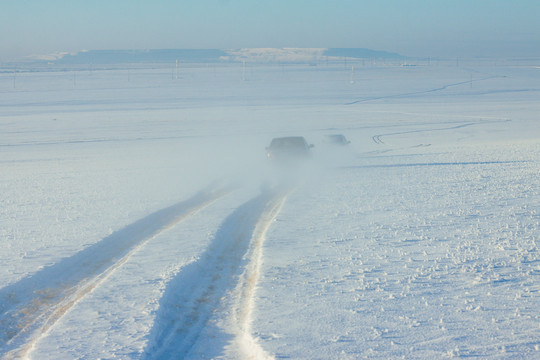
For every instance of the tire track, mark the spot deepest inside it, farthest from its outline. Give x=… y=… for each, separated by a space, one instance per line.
x=240 y=319
x=229 y=265
x=378 y=138
x=421 y=92
x=30 y=307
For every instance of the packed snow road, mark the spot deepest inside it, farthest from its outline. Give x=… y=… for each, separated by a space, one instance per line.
x=218 y=285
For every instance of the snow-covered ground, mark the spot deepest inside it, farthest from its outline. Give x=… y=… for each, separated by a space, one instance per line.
x=139 y=218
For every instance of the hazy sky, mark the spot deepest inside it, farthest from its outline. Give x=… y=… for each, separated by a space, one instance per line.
x=438 y=28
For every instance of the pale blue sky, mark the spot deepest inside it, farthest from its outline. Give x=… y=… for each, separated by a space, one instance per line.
x=437 y=28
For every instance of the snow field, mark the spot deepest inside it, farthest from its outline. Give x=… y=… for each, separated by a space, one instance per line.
x=406 y=272
x=417 y=241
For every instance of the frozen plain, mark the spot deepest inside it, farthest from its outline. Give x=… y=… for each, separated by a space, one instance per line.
x=134 y=223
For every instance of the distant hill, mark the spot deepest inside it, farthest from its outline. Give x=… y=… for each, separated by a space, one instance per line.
x=142 y=56
x=305 y=55
x=253 y=55
x=359 y=53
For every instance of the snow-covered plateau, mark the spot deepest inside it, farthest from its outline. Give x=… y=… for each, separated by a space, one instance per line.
x=140 y=218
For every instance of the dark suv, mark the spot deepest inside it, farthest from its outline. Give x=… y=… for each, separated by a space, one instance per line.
x=288 y=148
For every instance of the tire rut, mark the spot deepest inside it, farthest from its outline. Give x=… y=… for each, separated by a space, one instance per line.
x=229 y=264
